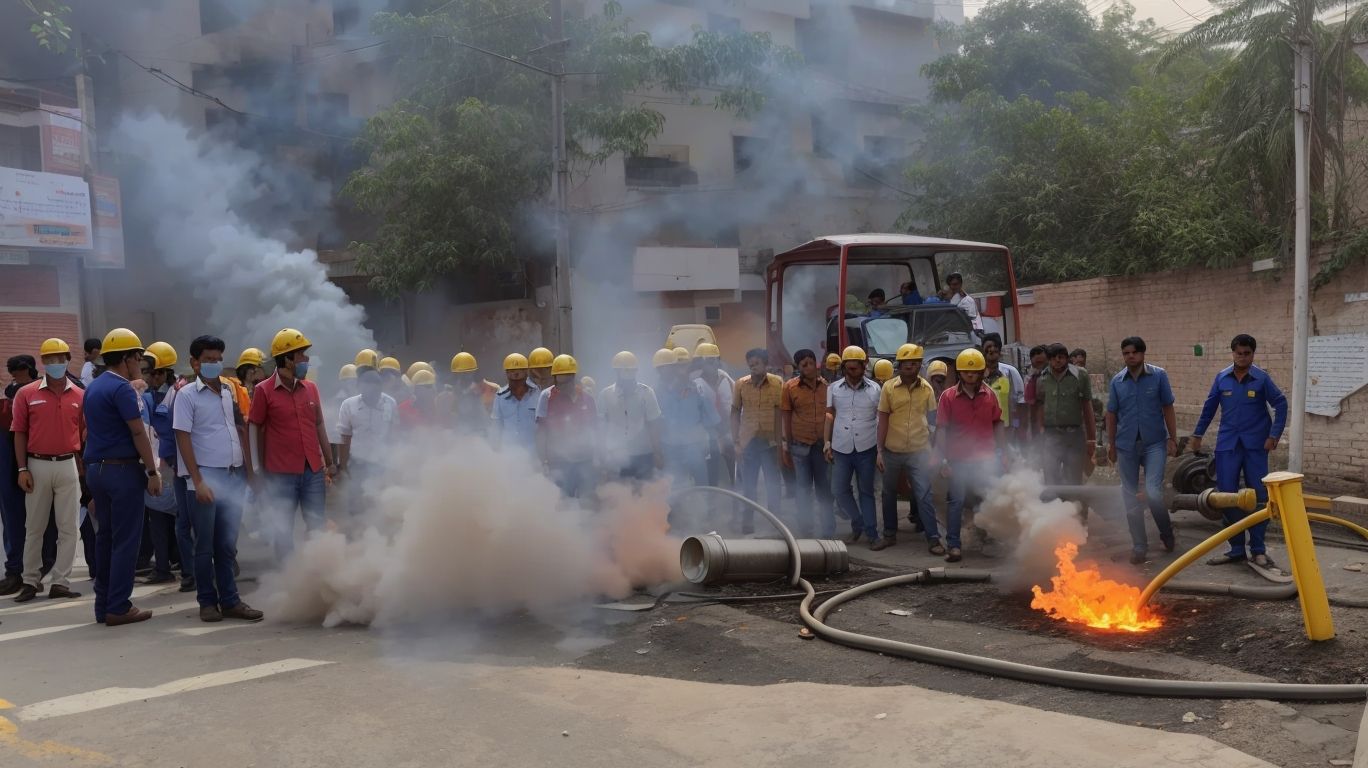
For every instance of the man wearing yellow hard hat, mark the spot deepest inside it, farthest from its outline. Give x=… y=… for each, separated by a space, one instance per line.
x=851 y=437
x=289 y=440
x=539 y=367
x=514 y=412
x=688 y=420
x=631 y=422
x=567 y=427
x=392 y=376
x=722 y=454
x=367 y=422
x=474 y=397
x=907 y=407
x=120 y=467
x=969 y=434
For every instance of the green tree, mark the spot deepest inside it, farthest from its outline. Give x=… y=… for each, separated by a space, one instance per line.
x=48 y=23
x=453 y=166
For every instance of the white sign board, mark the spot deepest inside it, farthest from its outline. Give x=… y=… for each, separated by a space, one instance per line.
x=44 y=210
x=1337 y=367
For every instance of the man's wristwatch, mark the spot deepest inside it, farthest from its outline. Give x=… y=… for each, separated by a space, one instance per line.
x=23 y=469
x=152 y=473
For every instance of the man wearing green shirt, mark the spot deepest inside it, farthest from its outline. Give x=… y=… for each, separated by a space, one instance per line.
x=1065 y=419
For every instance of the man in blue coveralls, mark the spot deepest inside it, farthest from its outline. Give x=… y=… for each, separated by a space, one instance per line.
x=1244 y=392
x=119 y=468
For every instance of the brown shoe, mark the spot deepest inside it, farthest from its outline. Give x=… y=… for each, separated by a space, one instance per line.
x=878 y=544
x=891 y=538
x=134 y=615
x=26 y=593
x=210 y=613
x=953 y=556
x=56 y=591
x=243 y=611
x=854 y=537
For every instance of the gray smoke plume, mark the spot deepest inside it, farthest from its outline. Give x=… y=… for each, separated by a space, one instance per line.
x=1013 y=513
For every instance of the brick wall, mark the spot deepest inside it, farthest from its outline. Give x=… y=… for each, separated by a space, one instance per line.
x=1177 y=311
x=21 y=333
x=37 y=302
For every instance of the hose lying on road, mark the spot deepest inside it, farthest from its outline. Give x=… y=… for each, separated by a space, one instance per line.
x=815 y=621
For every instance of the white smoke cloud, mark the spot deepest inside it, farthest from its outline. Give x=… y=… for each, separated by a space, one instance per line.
x=1013 y=513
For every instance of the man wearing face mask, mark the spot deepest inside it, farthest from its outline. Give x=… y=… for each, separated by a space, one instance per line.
x=289 y=440
x=49 y=430
x=421 y=411
x=566 y=431
x=631 y=422
x=206 y=422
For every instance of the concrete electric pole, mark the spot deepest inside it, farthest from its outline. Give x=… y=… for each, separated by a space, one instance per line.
x=1301 y=273
x=564 y=333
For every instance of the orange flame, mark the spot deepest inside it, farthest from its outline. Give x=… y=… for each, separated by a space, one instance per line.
x=1084 y=597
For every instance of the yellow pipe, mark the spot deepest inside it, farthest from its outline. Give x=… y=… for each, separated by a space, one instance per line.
x=1355 y=527
x=1192 y=555
x=1285 y=498
x=1318 y=503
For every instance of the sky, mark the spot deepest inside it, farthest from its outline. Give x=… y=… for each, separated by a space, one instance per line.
x=1174 y=15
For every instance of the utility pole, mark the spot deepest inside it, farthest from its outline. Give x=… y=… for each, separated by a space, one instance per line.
x=564 y=329
x=92 y=299
x=1301 y=273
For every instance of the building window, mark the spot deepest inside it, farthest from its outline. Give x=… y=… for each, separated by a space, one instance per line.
x=747 y=151
x=712 y=314
x=663 y=166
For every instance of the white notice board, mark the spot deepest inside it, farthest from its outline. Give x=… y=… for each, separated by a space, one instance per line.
x=1337 y=367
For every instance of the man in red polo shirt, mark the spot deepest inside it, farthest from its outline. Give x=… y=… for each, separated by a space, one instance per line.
x=566 y=424
x=49 y=430
x=969 y=435
x=289 y=441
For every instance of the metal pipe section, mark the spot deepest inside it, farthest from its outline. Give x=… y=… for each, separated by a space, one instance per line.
x=795 y=566
x=711 y=559
x=1210 y=502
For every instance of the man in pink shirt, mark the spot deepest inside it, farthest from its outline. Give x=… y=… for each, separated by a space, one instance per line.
x=969 y=435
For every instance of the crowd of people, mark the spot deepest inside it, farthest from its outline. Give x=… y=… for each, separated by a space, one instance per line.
x=151 y=469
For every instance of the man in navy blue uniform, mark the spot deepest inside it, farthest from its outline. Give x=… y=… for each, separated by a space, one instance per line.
x=1244 y=393
x=119 y=468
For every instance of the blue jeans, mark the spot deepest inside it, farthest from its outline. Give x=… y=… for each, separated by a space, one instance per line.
x=639 y=467
x=1152 y=457
x=185 y=538
x=966 y=477
x=687 y=464
x=757 y=456
x=117 y=492
x=812 y=477
x=575 y=478
x=1253 y=464
x=304 y=491
x=216 y=530
x=918 y=468
x=861 y=465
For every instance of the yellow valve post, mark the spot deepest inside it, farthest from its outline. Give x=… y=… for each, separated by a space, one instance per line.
x=1286 y=503
x=1193 y=555
x=1245 y=500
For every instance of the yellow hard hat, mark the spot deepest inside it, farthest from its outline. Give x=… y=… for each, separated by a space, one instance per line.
x=883 y=370
x=624 y=361
x=390 y=364
x=423 y=379
x=347 y=373
x=663 y=357
x=420 y=366
x=938 y=368
x=368 y=358
x=682 y=355
x=288 y=340
x=564 y=365
x=833 y=361
x=587 y=383
x=909 y=352
x=54 y=347
x=121 y=340
x=540 y=357
x=707 y=349
x=970 y=360
x=855 y=353
x=163 y=353
x=463 y=362
x=515 y=362
x=250 y=356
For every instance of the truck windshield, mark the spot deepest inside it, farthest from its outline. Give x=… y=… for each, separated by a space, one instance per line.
x=926 y=327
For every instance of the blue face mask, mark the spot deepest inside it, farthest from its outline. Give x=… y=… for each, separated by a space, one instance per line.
x=211 y=371
x=55 y=370
x=301 y=369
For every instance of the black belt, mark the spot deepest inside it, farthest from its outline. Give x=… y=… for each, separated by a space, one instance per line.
x=117 y=461
x=50 y=457
x=1063 y=429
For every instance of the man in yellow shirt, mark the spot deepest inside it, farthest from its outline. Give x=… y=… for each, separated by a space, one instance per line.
x=907 y=405
x=755 y=425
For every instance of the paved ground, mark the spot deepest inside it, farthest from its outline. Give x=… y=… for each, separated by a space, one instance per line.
x=681 y=685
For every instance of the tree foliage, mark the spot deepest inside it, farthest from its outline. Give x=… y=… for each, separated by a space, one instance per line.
x=47 y=23
x=454 y=164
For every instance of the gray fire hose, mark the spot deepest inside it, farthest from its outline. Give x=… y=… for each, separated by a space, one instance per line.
x=815 y=621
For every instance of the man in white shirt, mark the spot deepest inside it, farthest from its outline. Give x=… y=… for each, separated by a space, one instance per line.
x=514 y=411
x=365 y=422
x=852 y=427
x=631 y=423
x=206 y=422
x=91 y=366
x=955 y=282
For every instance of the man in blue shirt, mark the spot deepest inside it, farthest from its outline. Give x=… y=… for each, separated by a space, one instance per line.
x=1141 y=432
x=119 y=468
x=1244 y=393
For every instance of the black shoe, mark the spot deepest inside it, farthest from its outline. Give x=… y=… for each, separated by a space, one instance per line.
x=11 y=584
x=244 y=612
x=210 y=613
x=159 y=578
x=187 y=585
x=890 y=538
x=1137 y=558
x=26 y=593
x=1169 y=544
x=854 y=537
x=58 y=591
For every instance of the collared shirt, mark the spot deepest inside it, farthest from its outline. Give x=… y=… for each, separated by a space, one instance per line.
x=724 y=394
x=240 y=394
x=807 y=402
x=54 y=421
x=856 y=424
x=369 y=426
x=289 y=419
x=1063 y=397
x=625 y=415
x=516 y=419
x=568 y=422
x=110 y=403
x=966 y=423
x=208 y=417
x=1138 y=402
x=687 y=413
x=757 y=406
x=87 y=373
x=907 y=407
x=1007 y=384
x=1244 y=409
x=967 y=303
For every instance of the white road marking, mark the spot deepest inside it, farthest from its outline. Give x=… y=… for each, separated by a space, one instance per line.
x=111 y=697
x=197 y=631
x=23 y=633
x=85 y=599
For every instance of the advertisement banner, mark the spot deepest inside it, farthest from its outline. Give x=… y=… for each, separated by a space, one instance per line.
x=44 y=210
x=108 y=215
x=61 y=139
